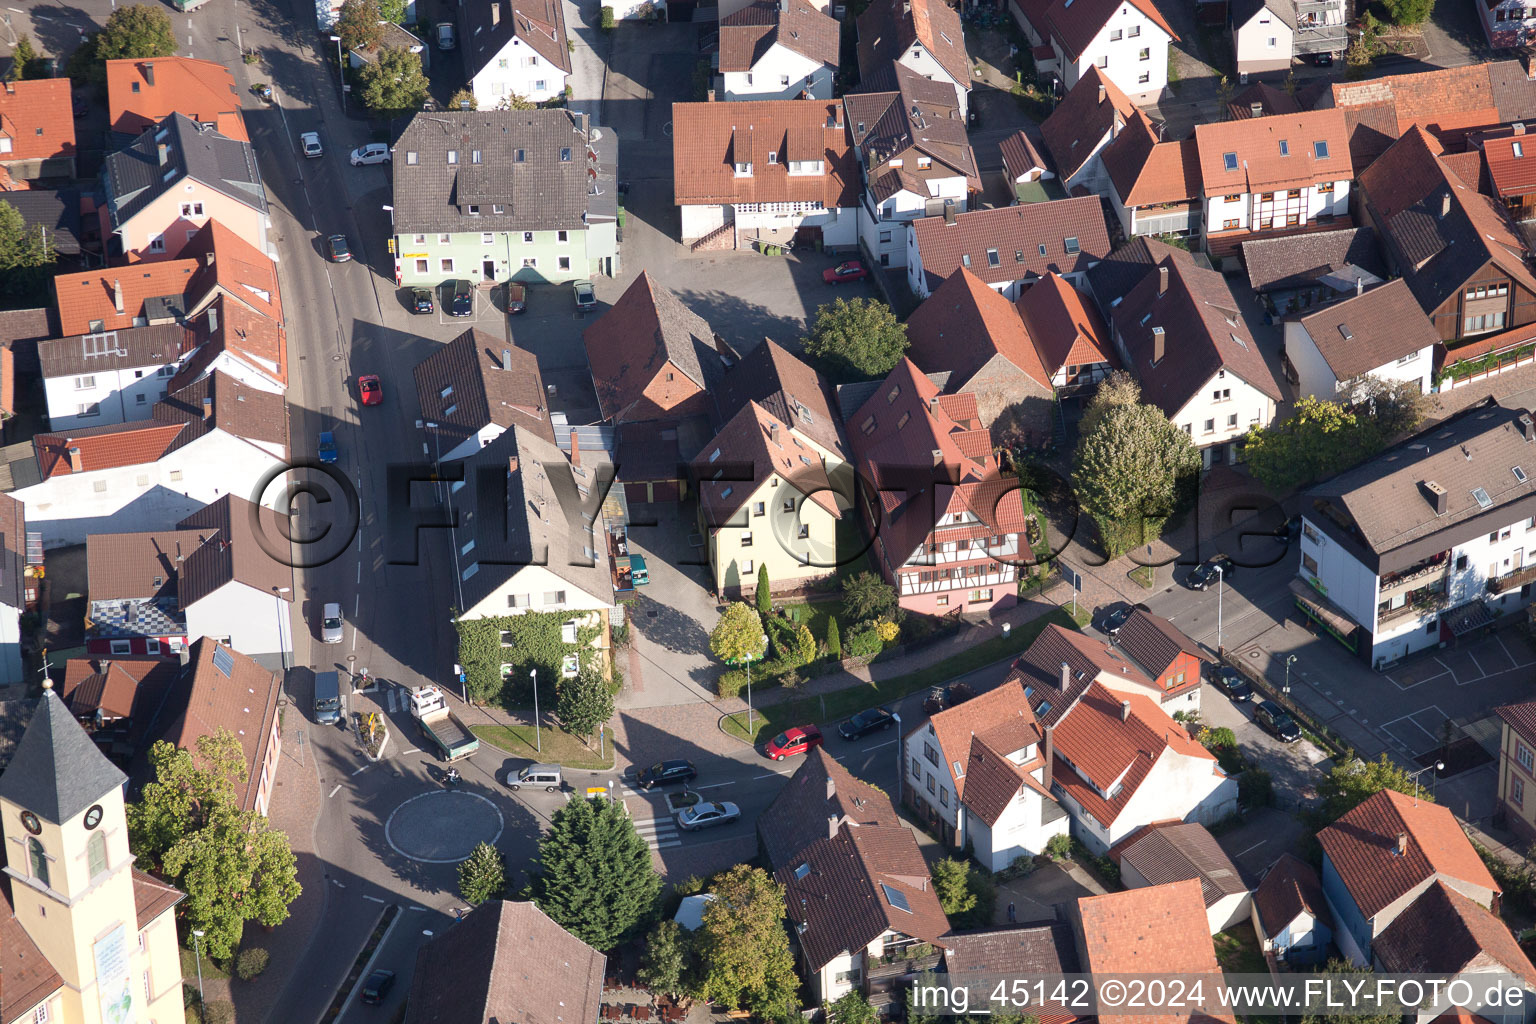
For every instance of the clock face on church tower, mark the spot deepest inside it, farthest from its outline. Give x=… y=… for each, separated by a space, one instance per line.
x=30 y=823
x=93 y=816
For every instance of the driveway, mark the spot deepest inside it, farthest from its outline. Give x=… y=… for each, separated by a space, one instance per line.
x=1037 y=895
x=669 y=662
x=1265 y=834
x=1295 y=768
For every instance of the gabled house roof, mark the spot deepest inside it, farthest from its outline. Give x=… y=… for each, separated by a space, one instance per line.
x=36 y=116
x=1510 y=159
x=1115 y=275
x=888 y=28
x=1001 y=718
x=1045 y=947
x=142 y=92
x=26 y=976
x=1095 y=107
x=964 y=324
x=1004 y=244
x=747 y=35
x=1297 y=261
x=787 y=389
x=1154 y=643
x=1147 y=173
x=1266 y=97
x=1520 y=717
x=904 y=116
x=509 y=962
x=161 y=345
x=520 y=170
x=150 y=293
x=1371 y=330
x=228 y=264
x=1020 y=156
x=1051 y=689
x=843 y=892
x=753 y=447
x=130 y=688
x=228 y=325
x=710 y=139
x=648 y=333
x=225 y=549
x=1173 y=852
x=821 y=797
x=1283 y=151
x=1075 y=24
x=1290 y=887
x=476 y=381
x=1202 y=331
x=121 y=444
x=488 y=27
x=1445 y=933
x=1363 y=847
x=178 y=149
x=1439 y=228
x=1065 y=330
x=53 y=214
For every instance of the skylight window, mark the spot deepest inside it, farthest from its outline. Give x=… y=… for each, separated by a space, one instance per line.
x=1042 y=248
x=1519 y=473
x=896 y=898
x=992 y=258
x=1044 y=708
x=1285 y=148
x=1072 y=247
x=801 y=870
x=727 y=492
x=1519 y=150
x=1320 y=150
x=1229 y=161
x=1483 y=501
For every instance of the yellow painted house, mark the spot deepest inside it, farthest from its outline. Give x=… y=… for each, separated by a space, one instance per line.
x=85 y=938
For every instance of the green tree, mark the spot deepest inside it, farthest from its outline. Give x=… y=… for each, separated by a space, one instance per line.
x=188 y=825
x=26 y=261
x=1318 y=439
x=393 y=10
x=463 y=96
x=1391 y=407
x=951 y=883
x=862 y=336
x=1117 y=390
x=594 y=874
x=834 y=640
x=514 y=101
x=393 y=82
x=1409 y=12
x=665 y=960
x=583 y=703
x=358 y=25
x=1340 y=973
x=852 y=1008
x=803 y=645
x=919 y=1009
x=22 y=59
x=744 y=957
x=137 y=31
x=483 y=875
x=1350 y=783
x=866 y=595
x=1128 y=473
x=738 y=636
x=764 y=593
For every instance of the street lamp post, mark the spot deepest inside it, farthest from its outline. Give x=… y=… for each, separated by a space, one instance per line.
x=282 y=645
x=341 y=76
x=901 y=758
x=747 y=661
x=197 y=941
x=1221 y=585
x=538 y=742
x=1438 y=766
x=1286 y=693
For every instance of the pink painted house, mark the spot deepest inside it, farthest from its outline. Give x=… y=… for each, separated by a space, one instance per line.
x=948 y=527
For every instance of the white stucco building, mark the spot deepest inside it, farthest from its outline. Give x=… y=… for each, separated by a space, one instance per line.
x=94 y=380
x=514 y=48
x=923 y=36
x=778 y=50
x=1127 y=40
x=1381 y=333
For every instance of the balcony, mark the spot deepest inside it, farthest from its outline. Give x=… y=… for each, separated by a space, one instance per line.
x=896 y=965
x=1421 y=602
x=1512 y=580
x=1415 y=577
x=1320 y=39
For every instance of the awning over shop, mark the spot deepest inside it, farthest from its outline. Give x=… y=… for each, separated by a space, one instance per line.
x=1327 y=614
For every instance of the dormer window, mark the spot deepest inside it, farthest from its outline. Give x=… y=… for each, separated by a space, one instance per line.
x=743 y=170
x=453 y=156
x=773 y=157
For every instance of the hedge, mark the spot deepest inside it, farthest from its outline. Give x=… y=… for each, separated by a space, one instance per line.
x=534 y=643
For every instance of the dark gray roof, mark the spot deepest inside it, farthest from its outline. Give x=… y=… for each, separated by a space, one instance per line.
x=1295 y=261
x=487 y=26
x=1173 y=853
x=136 y=176
x=1244 y=10
x=540 y=192
x=57 y=212
x=112 y=350
x=13 y=552
x=1043 y=947
x=1113 y=277
x=56 y=772
x=1369 y=331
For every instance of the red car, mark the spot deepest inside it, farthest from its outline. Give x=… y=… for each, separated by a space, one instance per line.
x=370 y=390
x=798 y=740
x=849 y=271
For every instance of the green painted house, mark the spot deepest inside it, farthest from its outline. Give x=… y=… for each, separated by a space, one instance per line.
x=498 y=195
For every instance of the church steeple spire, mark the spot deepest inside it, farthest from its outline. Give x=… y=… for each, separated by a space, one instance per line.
x=56 y=771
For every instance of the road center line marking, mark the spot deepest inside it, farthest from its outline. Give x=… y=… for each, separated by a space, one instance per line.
x=718 y=785
x=771 y=775
x=877 y=746
x=362 y=769
x=333 y=792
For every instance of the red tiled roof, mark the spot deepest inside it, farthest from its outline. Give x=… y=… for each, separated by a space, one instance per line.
x=748 y=34
x=1017 y=234
x=123 y=444
x=152 y=897
x=820 y=790
x=646 y=333
x=109 y=685
x=754 y=446
x=709 y=139
x=1362 y=846
x=234 y=266
x=1512 y=175
x=887 y=28
x=89 y=296
x=26 y=976
x=243 y=701
x=1039 y=670
x=1521 y=718
x=1290 y=887
x=1273 y=152
x=1445 y=933
x=1020 y=156
x=1082 y=119
x=1075 y=24
x=1171 y=174
x=1001 y=718
x=1066 y=330
x=37 y=117
x=964 y=324
x=142 y=92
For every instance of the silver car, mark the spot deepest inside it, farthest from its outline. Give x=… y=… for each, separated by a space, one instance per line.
x=330 y=624
x=373 y=153
x=703 y=815
x=446 y=36
x=586 y=295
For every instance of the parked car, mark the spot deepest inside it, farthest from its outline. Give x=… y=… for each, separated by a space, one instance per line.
x=705 y=815
x=377 y=987
x=310 y=141
x=517 y=298
x=340 y=251
x=796 y=740
x=586 y=295
x=1229 y=682
x=330 y=624
x=373 y=153
x=849 y=270
x=1322 y=60
x=421 y=300
x=370 y=390
x=1276 y=721
x=1205 y=574
x=664 y=773
x=447 y=38
x=866 y=722
x=463 y=301
x=327 y=447
x=1116 y=616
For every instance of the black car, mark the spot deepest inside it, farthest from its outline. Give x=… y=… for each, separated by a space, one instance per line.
x=377 y=987
x=421 y=300
x=1276 y=721
x=1229 y=682
x=1322 y=60
x=866 y=722
x=1205 y=574
x=1116 y=616
x=340 y=251
x=664 y=773
x=463 y=301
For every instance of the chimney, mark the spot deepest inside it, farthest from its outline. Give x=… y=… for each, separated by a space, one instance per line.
x=1101 y=94
x=1162 y=280
x=1125 y=710
x=1439 y=497
x=783 y=5
x=1256 y=109
x=575 y=449
x=495 y=12
x=1359 y=286
x=163 y=152
x=949 y=215
x=831 y=826
x=1402 y=844
x=506 y=359
x=1066 y=676
x=933 y=404
x=149 y=72
x=1445 y=204
x=512 y=466
x=213 y=319
x=1049 y=756
x=117 y=295
x=1527 y=426
x=208 y=259
x=1159 y=345
x=1518 y=127
x=76 y=464
x=208 y=407
x=938 y=457
x=773 y=433
x=831 y=787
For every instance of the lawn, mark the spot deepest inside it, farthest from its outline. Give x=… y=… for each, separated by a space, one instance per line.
x=1237 y=951
x=189 y=966
x=816 y=615
x=840 y=704
x=559 y=746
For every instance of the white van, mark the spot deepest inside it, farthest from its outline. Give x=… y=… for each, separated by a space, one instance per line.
x=546 y=775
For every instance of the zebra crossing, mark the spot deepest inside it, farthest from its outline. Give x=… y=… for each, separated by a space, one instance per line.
x=659 y=833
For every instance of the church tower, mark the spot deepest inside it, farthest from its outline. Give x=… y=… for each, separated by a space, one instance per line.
x=74 y=894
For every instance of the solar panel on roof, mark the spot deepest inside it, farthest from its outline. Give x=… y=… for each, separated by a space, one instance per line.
x=223 y=661
x=897 y=898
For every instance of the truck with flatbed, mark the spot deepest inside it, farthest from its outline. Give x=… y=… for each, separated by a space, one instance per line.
x=453 y=740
